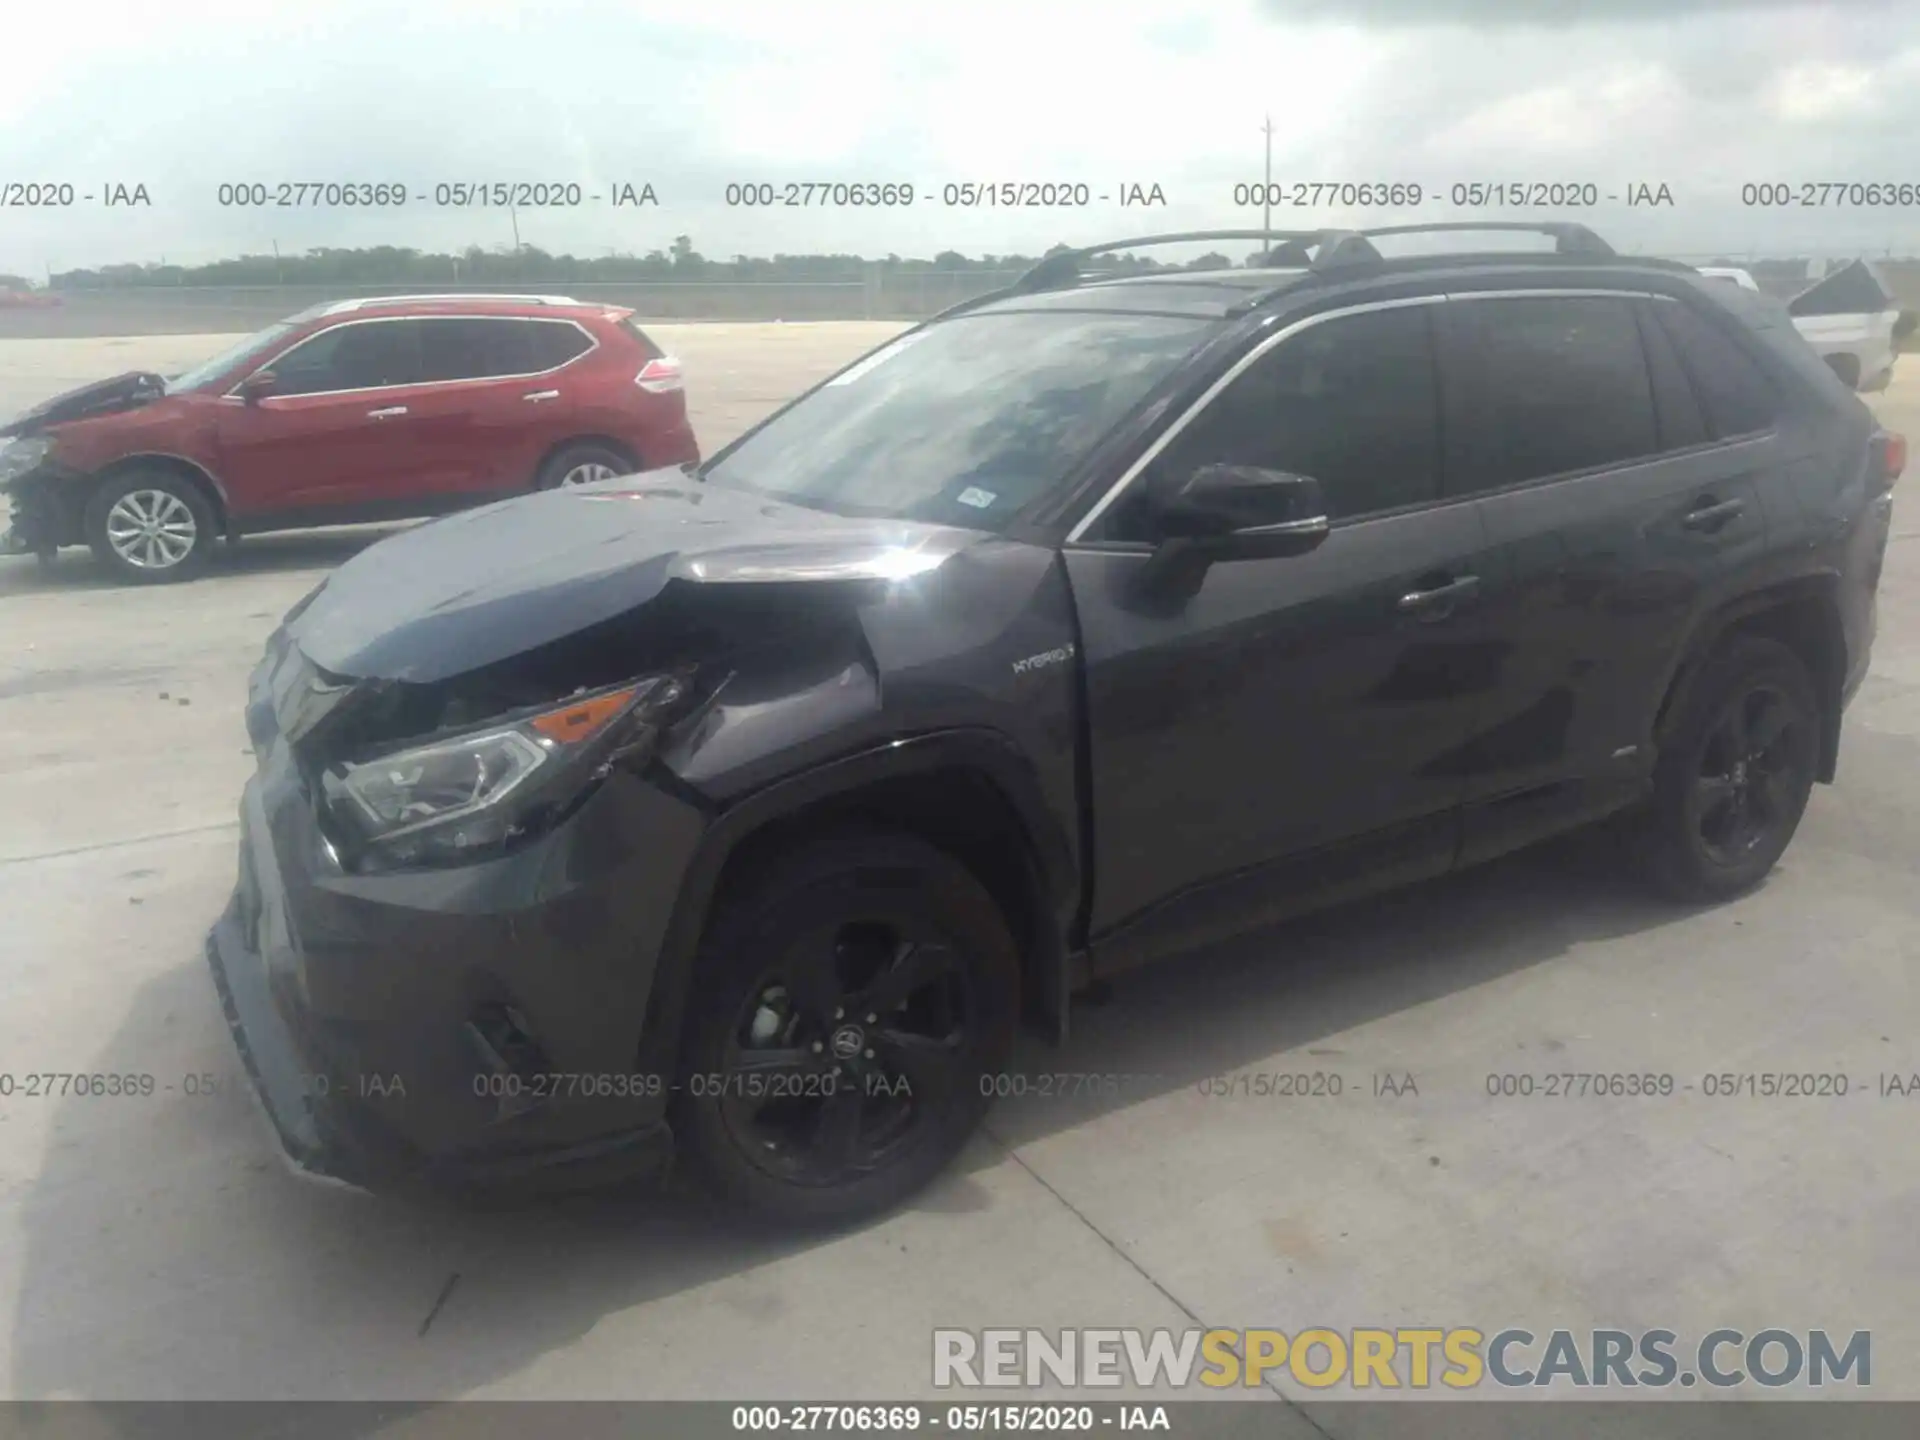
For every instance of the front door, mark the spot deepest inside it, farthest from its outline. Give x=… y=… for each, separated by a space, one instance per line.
x=1293 y=731
x=336 y=439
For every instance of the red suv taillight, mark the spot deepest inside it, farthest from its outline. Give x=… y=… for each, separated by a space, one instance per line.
x=659 y=377
x=1894 y=451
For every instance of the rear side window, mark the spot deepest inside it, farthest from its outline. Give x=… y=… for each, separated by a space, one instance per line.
x=482 y=347
x=1681 y=422
x=1734 y=392
x=1557 y=384
x=468 y=348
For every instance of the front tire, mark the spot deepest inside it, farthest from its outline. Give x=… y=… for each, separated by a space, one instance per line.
x=855 y=1001
x=1733 y=781
x=150 y=527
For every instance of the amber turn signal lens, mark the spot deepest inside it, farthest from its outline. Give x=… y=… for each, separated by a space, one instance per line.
x=573 y=723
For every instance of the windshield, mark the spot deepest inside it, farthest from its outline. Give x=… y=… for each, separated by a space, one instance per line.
x=210 y=370
x=963 y=423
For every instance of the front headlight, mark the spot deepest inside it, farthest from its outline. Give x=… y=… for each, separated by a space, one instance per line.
x=22 y=456
x=465 y=795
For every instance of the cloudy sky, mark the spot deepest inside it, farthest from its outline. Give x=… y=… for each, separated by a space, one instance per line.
x=1701 y=95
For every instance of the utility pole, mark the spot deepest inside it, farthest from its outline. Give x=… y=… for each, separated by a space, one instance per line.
x=514 y=215
x=1266 y=190
x=279 y=275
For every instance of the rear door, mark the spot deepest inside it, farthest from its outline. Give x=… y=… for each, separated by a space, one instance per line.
x=333 y=438
x=1617 y=509
x=1290 y=732
x=501 y=396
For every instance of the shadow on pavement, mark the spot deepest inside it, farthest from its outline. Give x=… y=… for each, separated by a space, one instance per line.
x=344 y=1295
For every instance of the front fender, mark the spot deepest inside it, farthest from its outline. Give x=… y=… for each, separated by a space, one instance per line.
x=1050 y=859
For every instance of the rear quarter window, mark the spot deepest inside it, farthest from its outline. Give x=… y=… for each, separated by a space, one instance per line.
x=552 y=343
x=1734 y=392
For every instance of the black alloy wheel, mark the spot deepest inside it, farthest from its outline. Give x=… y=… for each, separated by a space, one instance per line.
x=856 y=1038
x=1734 y=775
x=1751 y=774
x=852 y=1004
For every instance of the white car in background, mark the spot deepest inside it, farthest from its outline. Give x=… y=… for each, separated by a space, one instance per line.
x=1850 y=317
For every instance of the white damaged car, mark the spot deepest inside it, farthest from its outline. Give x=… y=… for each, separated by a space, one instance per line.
x=1851 y=317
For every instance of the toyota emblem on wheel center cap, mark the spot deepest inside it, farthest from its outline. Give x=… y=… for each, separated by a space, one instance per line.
x=848 y=1041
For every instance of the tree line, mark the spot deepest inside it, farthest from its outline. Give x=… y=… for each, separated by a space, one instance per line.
x=679 y=262
x=530 y=265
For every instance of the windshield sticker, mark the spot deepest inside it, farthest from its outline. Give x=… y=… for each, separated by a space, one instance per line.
x=875 y=360
x=973 y=495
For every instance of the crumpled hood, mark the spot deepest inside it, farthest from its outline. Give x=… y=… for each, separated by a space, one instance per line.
x=488 y=584
x=122 y=392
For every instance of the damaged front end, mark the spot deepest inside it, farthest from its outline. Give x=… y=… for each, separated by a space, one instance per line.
x=449 y=895
x=454 y=894
x=37 y=520
x=406 y=777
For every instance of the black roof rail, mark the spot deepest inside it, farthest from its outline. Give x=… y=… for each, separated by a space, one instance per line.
x=1063 y=267
x=1570 y=238
x=1334 y=250
x=1337 y=247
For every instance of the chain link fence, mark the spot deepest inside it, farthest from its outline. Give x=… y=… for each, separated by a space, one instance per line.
x=883 y=294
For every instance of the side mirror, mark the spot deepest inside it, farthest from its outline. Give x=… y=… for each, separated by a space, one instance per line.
x=257 y=386
x=1229 y=512
x=1238 y=512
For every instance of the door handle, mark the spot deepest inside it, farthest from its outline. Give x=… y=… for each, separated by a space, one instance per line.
x=1711 y=515
x=389 y=411
x=542 y=395
x=1437 y=601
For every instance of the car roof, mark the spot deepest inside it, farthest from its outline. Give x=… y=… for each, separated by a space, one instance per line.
x=1318 y=263
x=520 y=306
x=1229 y=294
x=1202 y=294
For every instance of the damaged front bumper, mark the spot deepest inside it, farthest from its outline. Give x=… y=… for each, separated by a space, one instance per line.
x=460 y=1027
x=38 y=522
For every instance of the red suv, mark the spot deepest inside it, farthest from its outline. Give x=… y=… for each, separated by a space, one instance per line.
x=353 y=411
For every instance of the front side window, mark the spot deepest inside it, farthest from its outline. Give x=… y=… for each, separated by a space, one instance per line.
x=1352 y=402
x=965 y=422
x=231 y=358
x=368 y=355
x=1558 y=384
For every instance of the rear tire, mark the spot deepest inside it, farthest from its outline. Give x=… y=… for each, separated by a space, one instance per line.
x=582 y=464
x=150 y=527
x=856 y=962
x=1733 y=780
